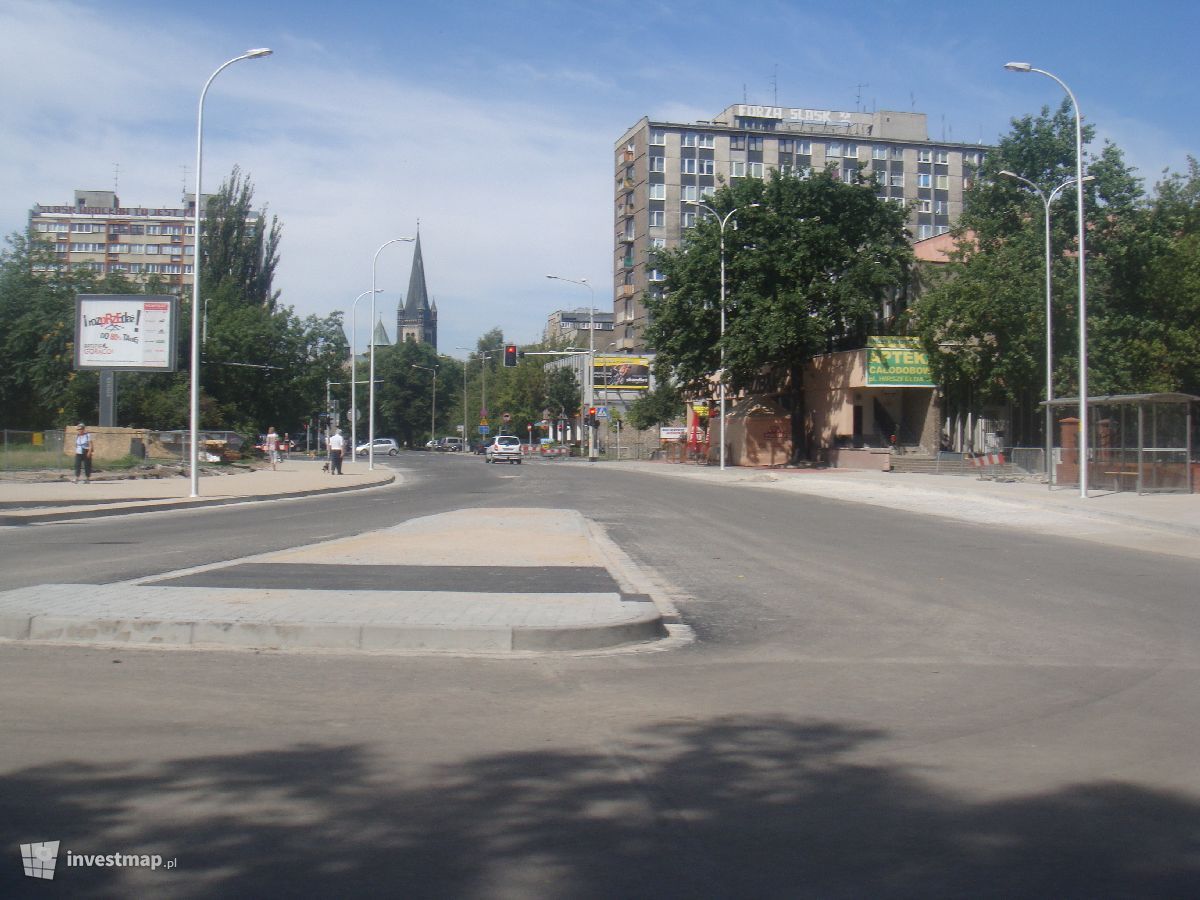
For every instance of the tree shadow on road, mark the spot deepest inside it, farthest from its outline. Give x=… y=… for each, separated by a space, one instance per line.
x=732 y=807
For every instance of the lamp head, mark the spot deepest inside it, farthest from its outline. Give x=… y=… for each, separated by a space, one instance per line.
x=1018 y=67
x=1008 y=174
x=261 y=51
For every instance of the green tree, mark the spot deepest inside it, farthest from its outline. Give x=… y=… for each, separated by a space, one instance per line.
x=661 y=406
x=806 y=270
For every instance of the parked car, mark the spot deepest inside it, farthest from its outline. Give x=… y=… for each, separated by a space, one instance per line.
x=382 y=445
x=504 y=448
x=450 y=444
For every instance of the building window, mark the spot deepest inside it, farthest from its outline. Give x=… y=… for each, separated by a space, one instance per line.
x=755 y=170
x=897 y=153
x=706 y=140
x=658 y=163
x=924 y=180
x=754 y=143
x=688 y=166
x=941 y=207
x=835 y=149
x=737 y=142
x=941 y=229
x=924 y=231
x=657 y=218
x=879 y=153
x=690 y=139
x=658 y=137
x=707 y=190
x=656 y=191
x=942 y=182
x=851 y=151
x=787 y=145
x=656 y=275
x=687 y=219
x=737 y=169
x=86 y=228
x=688 y=192
x=924 y=156
x=804 y=148
x=942 y=158
x=51 y=227
x=898 y=180
x=850 y=174
x=707 y=167
x=658 y=243
x=923 y=206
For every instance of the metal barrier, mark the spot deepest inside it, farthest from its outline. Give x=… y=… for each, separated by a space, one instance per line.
x=20 y=450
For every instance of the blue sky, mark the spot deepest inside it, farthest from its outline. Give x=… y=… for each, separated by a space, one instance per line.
x=494 y=123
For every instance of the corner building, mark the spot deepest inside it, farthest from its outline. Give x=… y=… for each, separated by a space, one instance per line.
x=664 y=168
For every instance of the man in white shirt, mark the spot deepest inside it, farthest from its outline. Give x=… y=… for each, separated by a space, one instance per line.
x=83 y=452
x=336 y=444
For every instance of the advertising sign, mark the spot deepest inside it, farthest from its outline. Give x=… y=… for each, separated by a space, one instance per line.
x=897 y=362
x=129 y=332
x=622 y=373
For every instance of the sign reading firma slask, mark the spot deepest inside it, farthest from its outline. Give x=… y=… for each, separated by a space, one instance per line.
x=131 y=332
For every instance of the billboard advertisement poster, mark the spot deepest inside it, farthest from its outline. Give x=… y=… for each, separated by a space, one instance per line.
x=127 y=332
x=897 y=362
x=621 y=373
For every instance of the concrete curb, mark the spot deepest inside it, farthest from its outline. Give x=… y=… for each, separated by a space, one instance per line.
x=122 y=507
x=381 y=638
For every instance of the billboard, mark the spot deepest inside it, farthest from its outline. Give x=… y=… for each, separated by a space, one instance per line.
x=621 y=373
x=897 y=362
x=129 y=332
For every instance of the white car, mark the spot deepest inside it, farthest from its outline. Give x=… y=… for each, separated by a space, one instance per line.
x=504 y=448
x=382 y=446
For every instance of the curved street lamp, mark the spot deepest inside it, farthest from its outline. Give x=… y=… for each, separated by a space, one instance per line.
x=724 y=220
x=194 y=394
x=1083 y=361
x=371 y=385
x=353 y=371
x=1046 y=201
x=589 y=376
x=433 y=406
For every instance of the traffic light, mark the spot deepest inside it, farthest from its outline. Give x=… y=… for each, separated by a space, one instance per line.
x=510 y=354
x=592 y=420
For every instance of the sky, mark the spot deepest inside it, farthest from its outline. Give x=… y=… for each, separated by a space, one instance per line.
x=493 y=124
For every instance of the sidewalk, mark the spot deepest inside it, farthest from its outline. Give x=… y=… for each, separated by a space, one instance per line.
x=109 y=493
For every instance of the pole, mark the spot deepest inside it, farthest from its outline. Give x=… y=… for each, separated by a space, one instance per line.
x=589 y=374
x=1083 y=361
x=353 y=373
x=371 y=386
x=194 y=390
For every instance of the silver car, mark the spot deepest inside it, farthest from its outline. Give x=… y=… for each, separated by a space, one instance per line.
x=504 y=448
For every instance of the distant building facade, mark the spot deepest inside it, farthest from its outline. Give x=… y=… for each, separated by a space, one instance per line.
x=572 y=325
x=664 y=168
x=416 y=318
x=98 y=234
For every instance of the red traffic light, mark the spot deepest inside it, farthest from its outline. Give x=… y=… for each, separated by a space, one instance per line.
x=510 y=354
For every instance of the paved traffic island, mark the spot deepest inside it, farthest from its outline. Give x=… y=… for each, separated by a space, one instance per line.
x=458 y=582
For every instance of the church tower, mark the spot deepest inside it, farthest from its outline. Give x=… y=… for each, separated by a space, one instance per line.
x=416 y=320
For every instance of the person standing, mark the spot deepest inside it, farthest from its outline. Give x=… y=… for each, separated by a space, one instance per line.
x=83 y=453
x=336 y=444
x=271 y=446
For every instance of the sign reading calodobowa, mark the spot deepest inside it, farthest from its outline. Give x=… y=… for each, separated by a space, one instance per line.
x=897 y=362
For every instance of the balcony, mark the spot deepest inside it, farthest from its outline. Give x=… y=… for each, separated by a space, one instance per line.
x=627 y=262
x=625 y=237
x=626 y=290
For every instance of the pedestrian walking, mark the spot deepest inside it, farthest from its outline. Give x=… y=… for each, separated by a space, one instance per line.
x=271 y=446
x=83 y=453
x=336 y=444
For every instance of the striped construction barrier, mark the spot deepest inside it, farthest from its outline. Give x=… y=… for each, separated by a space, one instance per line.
x=987 y=459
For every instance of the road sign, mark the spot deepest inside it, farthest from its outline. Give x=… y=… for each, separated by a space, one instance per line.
x=483 y=429
x=601 y=412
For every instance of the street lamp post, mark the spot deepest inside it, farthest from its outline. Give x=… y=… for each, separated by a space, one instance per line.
x=464 y=422
x=589 y=375
x=721 y=375
x=433 y=405
x=1046 y=201
x=371 y=386
x=353 y=375
x=194 y=398
x=484 y=356
x=1083 y=362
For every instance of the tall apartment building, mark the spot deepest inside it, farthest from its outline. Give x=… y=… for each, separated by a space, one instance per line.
x=101 y=235
x=663 y=168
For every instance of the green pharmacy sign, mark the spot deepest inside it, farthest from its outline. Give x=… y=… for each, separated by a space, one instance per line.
x=897 y=362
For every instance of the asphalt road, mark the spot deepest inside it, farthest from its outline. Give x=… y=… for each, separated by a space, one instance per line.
x=877 y=704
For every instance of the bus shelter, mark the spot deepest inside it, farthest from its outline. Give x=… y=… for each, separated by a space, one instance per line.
x=1142 y=442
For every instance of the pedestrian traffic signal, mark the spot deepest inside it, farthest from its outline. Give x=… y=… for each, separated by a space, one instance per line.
x=510 y=354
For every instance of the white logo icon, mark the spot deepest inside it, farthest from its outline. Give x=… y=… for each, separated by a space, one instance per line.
x=39 y=859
